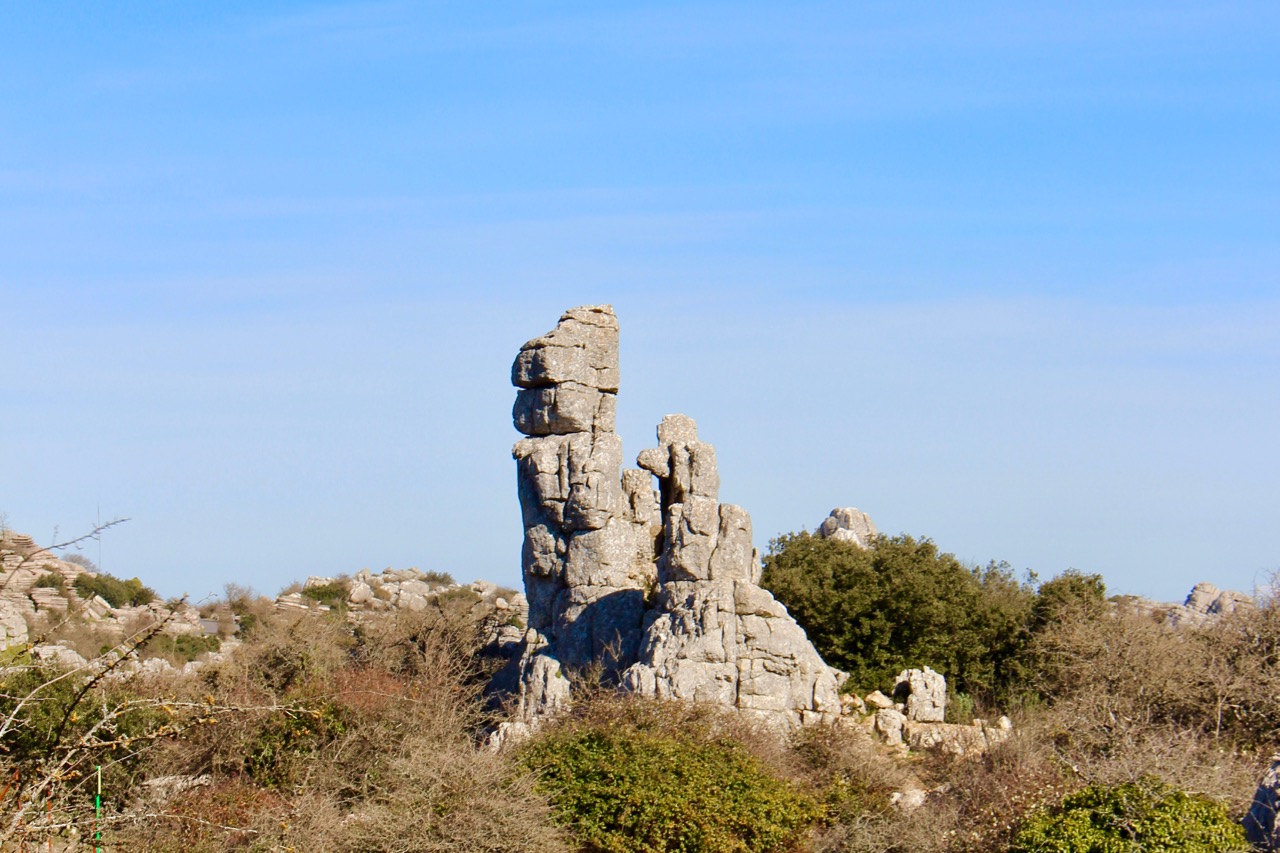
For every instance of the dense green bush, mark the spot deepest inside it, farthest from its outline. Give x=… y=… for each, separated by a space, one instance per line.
x=297 y=733
x=114 y=590
x=1071 y=594
x=51 y=580
x=626 y=789
x=185 y=647
x=332 y=594
x=902 y=603
x=1143 y=816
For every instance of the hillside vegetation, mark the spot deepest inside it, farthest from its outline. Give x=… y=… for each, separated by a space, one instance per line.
x=326 y=729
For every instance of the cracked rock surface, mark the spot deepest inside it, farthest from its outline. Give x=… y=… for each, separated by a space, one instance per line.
x=658 y=588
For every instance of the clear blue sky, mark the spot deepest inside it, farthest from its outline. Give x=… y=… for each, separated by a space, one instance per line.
x=1005 y=275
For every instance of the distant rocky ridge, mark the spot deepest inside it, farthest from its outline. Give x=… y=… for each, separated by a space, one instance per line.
x=401 y=589
x=25 y=568
x=1203 y=605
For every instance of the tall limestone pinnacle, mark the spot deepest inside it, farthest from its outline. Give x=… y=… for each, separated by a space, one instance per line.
x=659 y=588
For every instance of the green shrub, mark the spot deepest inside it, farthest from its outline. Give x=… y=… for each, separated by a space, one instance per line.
x=297 y=733
x=623 y=789
x=333 y=594
x=959 y=709
x=185 y=647
x=902 y=603
x=51 y=580
x=1146 y=816
x=115 y=591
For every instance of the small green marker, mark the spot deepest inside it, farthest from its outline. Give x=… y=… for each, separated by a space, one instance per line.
x=97 y=814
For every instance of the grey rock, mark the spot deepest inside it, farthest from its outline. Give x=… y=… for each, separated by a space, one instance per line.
x=1260 y=821
x=589 y=530
x=851 y=703
x=14 y=610
x=909 y=799
x=360 y=593
x=849 y=524
x=1202 y=596
x=924 y=693
x=878 y=700
x=658 y=586
x=889 y=725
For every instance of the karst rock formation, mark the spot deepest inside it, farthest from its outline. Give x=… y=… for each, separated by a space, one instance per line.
x=656 y=589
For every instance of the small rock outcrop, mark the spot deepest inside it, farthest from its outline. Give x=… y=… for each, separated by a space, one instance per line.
x=924 y=692
x=657 y=588
x=1203 y=606
x=1260 y=821
x=1206 y=603
x=849 y=524
x=36 y=586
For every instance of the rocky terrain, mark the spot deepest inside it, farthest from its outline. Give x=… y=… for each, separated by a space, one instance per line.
x=38 y=591
x=643 y=625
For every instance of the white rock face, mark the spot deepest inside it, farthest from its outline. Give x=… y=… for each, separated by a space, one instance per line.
x=660 y=588
x=849 y=524
x=925 y=694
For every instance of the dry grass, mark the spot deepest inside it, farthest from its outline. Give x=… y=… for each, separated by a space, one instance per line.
x=334 y=740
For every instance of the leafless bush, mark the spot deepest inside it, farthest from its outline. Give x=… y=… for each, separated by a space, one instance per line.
x=1131 y=696
x=348 y=738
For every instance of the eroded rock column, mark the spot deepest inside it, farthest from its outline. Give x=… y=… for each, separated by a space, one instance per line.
x=714 y=635
x=589 y=530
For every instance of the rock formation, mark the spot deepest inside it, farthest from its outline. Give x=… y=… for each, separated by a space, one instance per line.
x=1260 y=821
x=849 y=524
x=657 y=588
x=924 y=693
x=713 y=634
x=1203 y=606
x=36 y=586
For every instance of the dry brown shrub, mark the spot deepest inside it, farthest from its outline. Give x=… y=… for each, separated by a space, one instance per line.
x=989 y=795
x=373 y=739
x=855 y=776
x=232 y=814
x=1131 y=696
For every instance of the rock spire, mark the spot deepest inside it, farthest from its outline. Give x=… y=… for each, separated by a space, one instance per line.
x=658 y=588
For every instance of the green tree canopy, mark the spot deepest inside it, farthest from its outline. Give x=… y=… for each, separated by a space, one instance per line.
x=902 y=603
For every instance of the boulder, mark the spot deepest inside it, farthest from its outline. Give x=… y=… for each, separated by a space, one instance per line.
x=1260 y=821
x=889 y=724
x=924 y=692
x=849 y=524
x=878 y=700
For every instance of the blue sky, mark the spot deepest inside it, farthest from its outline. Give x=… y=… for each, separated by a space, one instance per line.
x=1005 y=275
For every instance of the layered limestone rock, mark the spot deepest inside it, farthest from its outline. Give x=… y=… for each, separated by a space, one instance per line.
x=1260 y=821
x=849 y=524
x=657 y=589
x=589 y=528
x=713 y=634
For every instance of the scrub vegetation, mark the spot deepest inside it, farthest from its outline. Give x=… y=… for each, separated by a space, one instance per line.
x=329 y=733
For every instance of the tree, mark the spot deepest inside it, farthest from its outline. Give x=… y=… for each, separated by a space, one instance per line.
x=902 y=603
